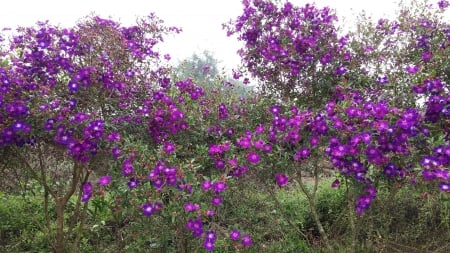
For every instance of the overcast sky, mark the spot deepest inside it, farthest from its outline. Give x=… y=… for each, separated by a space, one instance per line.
x=200 y=19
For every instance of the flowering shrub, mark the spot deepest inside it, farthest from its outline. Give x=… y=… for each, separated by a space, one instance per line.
x=99 y=93
x=369 y=119
x=394 y=55
x=292 y=51
x=67 y=94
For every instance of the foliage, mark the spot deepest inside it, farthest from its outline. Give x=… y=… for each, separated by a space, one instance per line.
x=127 y=148
x=295 y=52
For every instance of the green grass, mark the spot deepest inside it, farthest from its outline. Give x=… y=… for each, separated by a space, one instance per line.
x=278 y=221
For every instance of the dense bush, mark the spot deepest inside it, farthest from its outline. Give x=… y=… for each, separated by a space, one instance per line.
x=125 y=151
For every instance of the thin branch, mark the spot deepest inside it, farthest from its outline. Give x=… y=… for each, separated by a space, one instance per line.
x=76 y=212
x=74 y=182
x=46 y=192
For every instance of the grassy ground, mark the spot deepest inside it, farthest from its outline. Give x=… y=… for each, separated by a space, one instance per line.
x=278 y=220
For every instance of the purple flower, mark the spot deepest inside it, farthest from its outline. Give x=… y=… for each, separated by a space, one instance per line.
x=206 y=68
x=233 y=162
x=196 y=226
x=445 y=187
x=253 y=157
x=428 y=175
x=220 y=164
x=79 y=118
x=86 y=196
x=18 y=125
x=236 y=74
x=87 y=187
x=282 y=179
x=267 y=148
x=259 y=144
x=87 y=192
x=362 y=203
x=244 y=142
x=246 y=240
x=158 y=183
x=314 y=140
x=366 y=137
x=73 y=86
x=412 y=69
x=426 y=56
x=219 y=186
x=169 y=147
x=104 y=181
x=190 y=207
x=390 y=170
x=210 y=236
x=206 y=185
x=338 y=150
x=116 y=152
x=216 y=200
x=148 y=209
x=340 y=70
x=442 y=174
x=133 y=183
x=208 y=245
x=223 y=112
x=275 y=109
x=443 y=4
x=127 y=168
x=373 y=154
x=235 y=235
x=382 y=80
x=113 y=137
x=336 y=184
x=429 y=162
x=302 y=153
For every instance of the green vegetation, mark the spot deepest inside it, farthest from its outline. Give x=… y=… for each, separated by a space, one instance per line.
x=400 y=220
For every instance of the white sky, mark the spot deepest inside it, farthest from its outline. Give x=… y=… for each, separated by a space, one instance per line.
x=200 y=19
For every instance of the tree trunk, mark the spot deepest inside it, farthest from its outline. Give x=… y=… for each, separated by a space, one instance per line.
x=352 y=218
x=60 y=206
x=311 y=197
x=323 y=234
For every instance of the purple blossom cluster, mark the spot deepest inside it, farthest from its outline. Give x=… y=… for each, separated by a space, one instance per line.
x=285 y=43
x=162 y=113
x=438 y=98
x=251 y=143
x=363 y=201
x=435 y=166
x=245 y=239
x=163 y=175
x=196 y=226
x=104 y=180
x=356 y=135
x=149 y=208
x=210 y=240
x=49 y=76
x=87 y=192
x=223 y=112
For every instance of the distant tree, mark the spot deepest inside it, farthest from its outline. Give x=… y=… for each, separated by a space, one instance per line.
x=201 y=68
x=204 y=70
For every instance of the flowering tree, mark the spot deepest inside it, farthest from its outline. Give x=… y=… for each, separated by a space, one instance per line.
x=294 y=52
x=64 y=95
x=394 y=56
x=365 y=119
